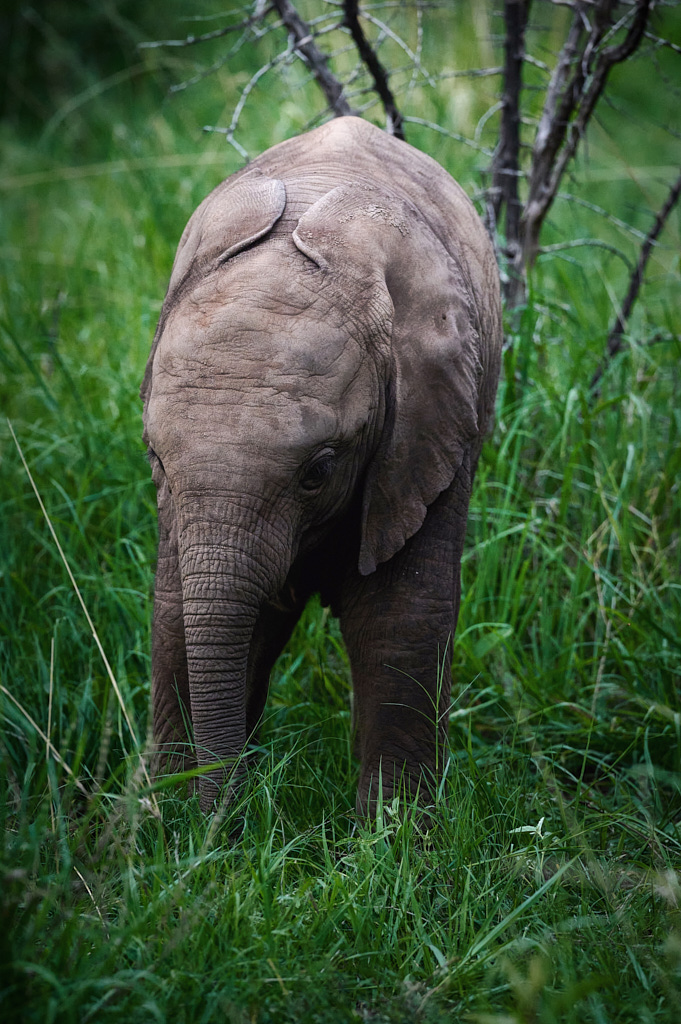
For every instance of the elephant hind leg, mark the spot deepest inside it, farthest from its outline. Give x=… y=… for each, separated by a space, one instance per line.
x=398 y=624
x=402 y=699
x=272 y=632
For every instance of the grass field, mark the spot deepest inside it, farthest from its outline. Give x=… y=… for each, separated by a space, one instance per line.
x=545 y=885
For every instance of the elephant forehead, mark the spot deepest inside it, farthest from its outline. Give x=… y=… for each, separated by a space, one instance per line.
x=231 y=379
x=254 y=345
x=273 y=276
x=232 y=428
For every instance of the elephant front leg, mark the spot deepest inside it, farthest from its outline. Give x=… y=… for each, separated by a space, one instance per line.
x=271 y=634
x=173 y=749
x=398 y=624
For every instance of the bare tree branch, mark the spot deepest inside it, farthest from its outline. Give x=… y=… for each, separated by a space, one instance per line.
x=199 y=76
x=562 y=133
x=248 y=88
x=617 y=221
x=413 y=57
x=606 y=61
x=450 y=135
x=663 y=43
x=506 y=162
x=559 y=103
x=307 y=49
x=615 y=344
x=376 y=70
x=526 y=171
x=259 y=15
x=578 y=243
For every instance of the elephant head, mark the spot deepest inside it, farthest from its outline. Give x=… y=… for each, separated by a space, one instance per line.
x=321 y=373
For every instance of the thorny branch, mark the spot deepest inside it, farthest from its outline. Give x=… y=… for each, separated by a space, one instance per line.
x=259 y=15
x=566 y=115
x=305 y=46
x=377 y=71
x=248 y=88
x=614 y=344
x=575 y=87
x=506 y=161
x=531 y=158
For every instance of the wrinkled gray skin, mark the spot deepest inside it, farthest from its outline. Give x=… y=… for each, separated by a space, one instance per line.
x=322 y=375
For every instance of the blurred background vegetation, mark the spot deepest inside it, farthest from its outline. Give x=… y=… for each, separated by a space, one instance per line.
x=545 y=885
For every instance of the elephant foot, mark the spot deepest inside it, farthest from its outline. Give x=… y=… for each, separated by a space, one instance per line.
x=172 y=758
x=395 y=789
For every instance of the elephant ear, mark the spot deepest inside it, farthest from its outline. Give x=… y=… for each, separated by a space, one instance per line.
x=233 y=217
x=382 y=245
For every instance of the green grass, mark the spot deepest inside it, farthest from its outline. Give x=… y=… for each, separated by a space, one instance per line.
x=545 y=884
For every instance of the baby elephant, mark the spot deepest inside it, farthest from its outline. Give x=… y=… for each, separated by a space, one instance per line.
x=322 y=375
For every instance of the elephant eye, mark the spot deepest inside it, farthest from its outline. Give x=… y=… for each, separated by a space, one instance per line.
x=154 y=459
x=318 y=471
x=158 y=473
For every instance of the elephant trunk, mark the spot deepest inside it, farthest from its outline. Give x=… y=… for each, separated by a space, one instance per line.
x=224 y=585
